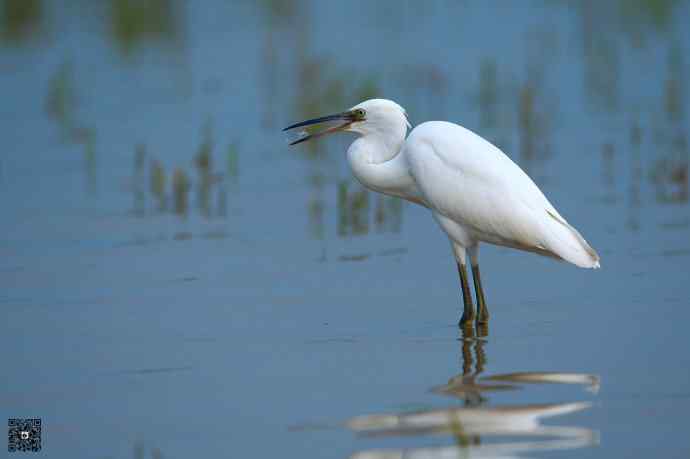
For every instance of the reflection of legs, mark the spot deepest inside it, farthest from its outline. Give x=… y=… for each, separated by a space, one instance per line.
x=473 y=354
x=467 y=338
x=482 y=310
x=472 y=393
x=468 y=307
x=479 y=353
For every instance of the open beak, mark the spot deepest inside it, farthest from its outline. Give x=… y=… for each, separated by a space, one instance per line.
x=346 y=118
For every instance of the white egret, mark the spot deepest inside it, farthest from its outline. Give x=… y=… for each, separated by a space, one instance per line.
x=474 y=191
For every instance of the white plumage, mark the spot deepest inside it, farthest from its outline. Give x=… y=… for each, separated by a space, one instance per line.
x=474 y=191
x=481 y=195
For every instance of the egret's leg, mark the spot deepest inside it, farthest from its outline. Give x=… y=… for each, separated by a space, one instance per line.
x=468 y=310
x=482 y=310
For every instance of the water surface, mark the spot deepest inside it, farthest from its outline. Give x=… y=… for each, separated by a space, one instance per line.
x=176 y=282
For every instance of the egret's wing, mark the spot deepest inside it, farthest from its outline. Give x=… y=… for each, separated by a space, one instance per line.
x=470 y=181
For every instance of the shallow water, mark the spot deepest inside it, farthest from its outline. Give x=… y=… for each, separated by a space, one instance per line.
x=175 y=281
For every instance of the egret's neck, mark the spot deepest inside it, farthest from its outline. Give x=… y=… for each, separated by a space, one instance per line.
x=377 y=147
x=378 y=165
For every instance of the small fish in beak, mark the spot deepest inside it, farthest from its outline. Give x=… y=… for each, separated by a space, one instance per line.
x=331 y=123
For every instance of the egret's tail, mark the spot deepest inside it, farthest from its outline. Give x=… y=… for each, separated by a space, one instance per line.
x=566 y=242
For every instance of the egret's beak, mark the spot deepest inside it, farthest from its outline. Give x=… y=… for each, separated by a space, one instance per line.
x=346 y=117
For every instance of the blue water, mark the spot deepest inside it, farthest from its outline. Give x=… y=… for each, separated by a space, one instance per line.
x=256 y=321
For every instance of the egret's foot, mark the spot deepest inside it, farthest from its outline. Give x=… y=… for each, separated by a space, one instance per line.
x=466 y=321
x=482 y=316
x=468 y=307
x=467 y=334
x=482 y=310
x=482 y=329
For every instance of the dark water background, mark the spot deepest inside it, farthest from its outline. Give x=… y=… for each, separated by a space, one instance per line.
x=176 y=282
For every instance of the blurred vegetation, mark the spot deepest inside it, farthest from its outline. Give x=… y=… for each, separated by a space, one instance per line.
x=204 y=166
x=359 y=211
x=601 y=62
x=388 y=214
x=669 y=169
x=60 y=105
x=158 y=185
x=133 y=22
x=356 y=213
x=635 y=181
x=232 y=163
x=674 y=88
x=316 y=206
x=90 y=161
x=279 y=12
x=139 y=451
x=608 y=172
x=368 y=88
x=208 y=184
x=180 y=187
x=488 y=93
x=343 y=208
x=669 y=173
x=324 y=90
x=430 y=84
x=655 y=13
x=20 y=20
x=279 y=15
x=60 y=99
x=323 y=85
x=533 y=127
x=636 y=17
x=139 y=180
x=318 y=94
x=493 y=102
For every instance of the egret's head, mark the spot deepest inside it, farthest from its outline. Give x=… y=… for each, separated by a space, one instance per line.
x=369 y=117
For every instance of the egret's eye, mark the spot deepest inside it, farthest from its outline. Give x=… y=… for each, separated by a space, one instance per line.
x=360 y=114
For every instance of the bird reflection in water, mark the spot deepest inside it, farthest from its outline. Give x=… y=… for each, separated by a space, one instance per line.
x=474 y=420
